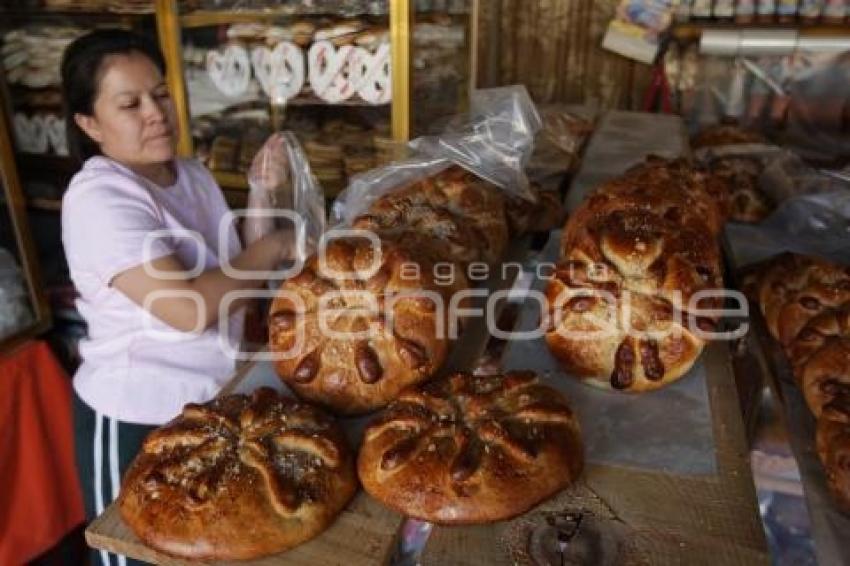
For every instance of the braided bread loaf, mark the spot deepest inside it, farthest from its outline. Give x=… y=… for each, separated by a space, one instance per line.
x=806 y=304
x=833 y=446
x=748 y=203
x=471 y=449
x=742 y=171
x=238 y=478
x=635 y=255
x=352 y=340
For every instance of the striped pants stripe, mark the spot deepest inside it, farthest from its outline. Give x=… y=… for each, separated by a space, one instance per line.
x=104 y=447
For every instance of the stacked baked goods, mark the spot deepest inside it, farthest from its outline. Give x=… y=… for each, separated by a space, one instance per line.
x=452 y=216
x=624 y=307
x=742 y=169
x=748 y=203
x=366 y=319
x=240 y=477
x=456 y=217
x=31 y=54
x=471 y=449
x=805 y=302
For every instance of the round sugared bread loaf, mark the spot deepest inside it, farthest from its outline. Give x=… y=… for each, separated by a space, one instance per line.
x=783 y=291
x=237 y=478
x=359 y=324
x=818 y=296
x=748 y=203
x=452 y=216
x=471 y=449
x=632 y=298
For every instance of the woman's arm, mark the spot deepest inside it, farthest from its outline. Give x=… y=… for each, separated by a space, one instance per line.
x=192 y=304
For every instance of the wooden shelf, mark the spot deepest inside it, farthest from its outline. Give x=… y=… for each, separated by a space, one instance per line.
x=693 y=30
x=48 y=13
x=47 y=204
x=202 y=18
x=47 y=166
x=231 y=180
x=46 y=160
x=313 y=100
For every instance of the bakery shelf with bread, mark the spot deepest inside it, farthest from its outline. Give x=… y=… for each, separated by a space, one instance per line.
x=32 y=41
x=353 y=61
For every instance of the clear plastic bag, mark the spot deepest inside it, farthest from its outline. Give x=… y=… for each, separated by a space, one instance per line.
x=787 y=176
x=813 y=218
x=800 y=100
x=368 y=187
x=494 y=141
x=558 y=145
x=280 y=180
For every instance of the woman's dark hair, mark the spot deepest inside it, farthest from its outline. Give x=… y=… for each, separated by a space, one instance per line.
x=82 y=68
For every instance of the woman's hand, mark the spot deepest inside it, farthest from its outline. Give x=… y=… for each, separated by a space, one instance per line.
x=270 y=169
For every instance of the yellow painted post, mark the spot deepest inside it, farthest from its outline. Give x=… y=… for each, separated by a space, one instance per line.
x=401 y=40
x=168 y=29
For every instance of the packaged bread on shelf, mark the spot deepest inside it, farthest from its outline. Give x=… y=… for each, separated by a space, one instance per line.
x=239 y=477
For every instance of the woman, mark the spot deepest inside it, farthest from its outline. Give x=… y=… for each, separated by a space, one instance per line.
x=141 y=230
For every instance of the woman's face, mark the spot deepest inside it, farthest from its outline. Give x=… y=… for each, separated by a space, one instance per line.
x=133 y=120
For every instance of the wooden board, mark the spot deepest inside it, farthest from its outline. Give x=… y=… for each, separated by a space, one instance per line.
x=669 y=519
x=554 y=49
x=364 y=534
